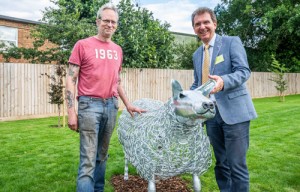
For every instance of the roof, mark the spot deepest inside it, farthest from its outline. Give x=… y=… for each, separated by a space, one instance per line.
x=185 y=34
x=19 y=20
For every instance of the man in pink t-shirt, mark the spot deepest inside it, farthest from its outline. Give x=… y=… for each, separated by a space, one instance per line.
x=95 y=65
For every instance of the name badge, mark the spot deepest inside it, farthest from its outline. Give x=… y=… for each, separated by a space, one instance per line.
x=219 y=59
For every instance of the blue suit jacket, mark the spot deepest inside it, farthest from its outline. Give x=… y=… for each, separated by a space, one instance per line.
x=234 y=102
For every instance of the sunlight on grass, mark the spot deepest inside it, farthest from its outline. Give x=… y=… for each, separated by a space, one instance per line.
x=35 y=156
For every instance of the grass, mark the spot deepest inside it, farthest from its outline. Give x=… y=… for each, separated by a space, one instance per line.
x=35 y=156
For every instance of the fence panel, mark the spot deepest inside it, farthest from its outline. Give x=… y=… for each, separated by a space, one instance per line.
x=23 y=91
x=23 y=88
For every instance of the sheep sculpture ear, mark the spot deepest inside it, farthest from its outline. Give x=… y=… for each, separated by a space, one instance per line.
x=176 y=88
x=207 y=87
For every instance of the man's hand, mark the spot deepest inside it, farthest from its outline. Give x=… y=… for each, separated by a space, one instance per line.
x=70 y=96
x=131 y=109
x=219 y=85
x=72 y=121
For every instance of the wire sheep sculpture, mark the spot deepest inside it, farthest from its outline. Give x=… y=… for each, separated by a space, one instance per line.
x=169 y=139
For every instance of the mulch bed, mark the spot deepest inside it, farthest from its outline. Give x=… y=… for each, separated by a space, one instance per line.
x=137 y=184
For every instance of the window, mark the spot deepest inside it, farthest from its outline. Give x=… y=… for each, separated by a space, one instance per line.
x=9 y=36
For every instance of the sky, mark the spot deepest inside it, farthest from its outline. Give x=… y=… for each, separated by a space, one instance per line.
x=176 y=12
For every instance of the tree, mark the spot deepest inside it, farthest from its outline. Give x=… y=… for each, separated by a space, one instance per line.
x=145 y=41
x=184 y=54
x=64 y=26
x=266 y=28
x=279 y=71
x=57 y=88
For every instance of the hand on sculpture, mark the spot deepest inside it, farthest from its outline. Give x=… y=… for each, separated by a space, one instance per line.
x=219 y=83
x=131 y=109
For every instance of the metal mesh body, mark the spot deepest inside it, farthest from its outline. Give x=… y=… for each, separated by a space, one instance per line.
x=159 y=143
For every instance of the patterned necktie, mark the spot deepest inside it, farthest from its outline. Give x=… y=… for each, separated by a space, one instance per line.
x=205 y=67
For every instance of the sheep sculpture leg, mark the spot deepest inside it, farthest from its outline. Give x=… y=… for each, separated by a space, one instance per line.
x=151 y=183
x=126 y=169
x=151 y=186
x=196 y=183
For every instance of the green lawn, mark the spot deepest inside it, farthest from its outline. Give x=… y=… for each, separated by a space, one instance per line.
x=35 y=156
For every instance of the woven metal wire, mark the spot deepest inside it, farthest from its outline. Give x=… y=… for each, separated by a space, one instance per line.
x=159 y=143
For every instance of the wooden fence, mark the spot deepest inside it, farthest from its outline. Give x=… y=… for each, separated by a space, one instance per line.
x=23 y=88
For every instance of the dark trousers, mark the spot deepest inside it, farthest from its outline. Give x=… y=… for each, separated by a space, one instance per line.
x=230 y=144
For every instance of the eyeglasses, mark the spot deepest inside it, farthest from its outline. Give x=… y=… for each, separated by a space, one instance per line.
x=106 y=21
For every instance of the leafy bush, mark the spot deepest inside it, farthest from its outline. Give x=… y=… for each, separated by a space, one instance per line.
x=279 y=70
x=184 y=54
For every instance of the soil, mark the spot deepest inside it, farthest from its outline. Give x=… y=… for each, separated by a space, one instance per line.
x=137 y=184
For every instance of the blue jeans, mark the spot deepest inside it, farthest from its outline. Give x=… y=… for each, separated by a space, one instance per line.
x=230 y=144
x=96 y=121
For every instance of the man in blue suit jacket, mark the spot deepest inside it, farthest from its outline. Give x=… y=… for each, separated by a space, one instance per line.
x=228 y=131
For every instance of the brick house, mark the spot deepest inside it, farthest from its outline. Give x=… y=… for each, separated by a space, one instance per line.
x=17 y=31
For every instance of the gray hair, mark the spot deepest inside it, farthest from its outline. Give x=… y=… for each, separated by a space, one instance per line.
x=202 y=10
x=107 y=6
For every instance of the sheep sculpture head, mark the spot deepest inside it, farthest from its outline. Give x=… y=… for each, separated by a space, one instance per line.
x=193 y=104
x=168 y=139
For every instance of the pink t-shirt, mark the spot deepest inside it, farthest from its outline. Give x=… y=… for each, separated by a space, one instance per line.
x=100 y=65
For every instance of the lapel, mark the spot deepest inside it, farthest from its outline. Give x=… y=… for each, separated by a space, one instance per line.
x=216 y=51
